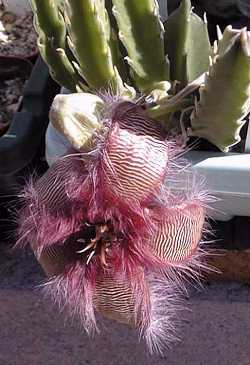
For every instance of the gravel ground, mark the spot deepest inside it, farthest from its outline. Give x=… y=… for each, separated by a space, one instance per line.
x=17 y=34
x=215 y=332
x=17 y=39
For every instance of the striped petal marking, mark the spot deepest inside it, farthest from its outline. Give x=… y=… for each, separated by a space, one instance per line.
x=136 y=156
x=179 y=233
x=113 y=299
x=54 y=259
x=113 y=296
x=59 y=185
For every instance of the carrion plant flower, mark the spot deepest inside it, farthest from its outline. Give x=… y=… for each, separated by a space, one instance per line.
x=110 y=234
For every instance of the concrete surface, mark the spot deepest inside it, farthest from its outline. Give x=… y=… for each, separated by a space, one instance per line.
x=216 y=332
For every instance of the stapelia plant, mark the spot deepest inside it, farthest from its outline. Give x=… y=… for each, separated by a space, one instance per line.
x=130 y=51
x=106 y=221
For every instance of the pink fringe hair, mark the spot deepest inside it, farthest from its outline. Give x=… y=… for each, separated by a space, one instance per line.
x=121 y=183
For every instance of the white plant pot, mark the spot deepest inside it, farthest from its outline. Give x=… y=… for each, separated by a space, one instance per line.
x=228 y=179
x=18 y=7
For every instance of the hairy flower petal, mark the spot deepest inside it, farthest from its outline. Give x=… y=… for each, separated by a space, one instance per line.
x=178 y=232
x=136 y=154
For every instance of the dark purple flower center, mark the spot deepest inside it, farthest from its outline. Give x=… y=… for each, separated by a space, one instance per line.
x=97 y=240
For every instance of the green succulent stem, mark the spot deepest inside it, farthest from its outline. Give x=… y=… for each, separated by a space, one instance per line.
x=141 y=32
x=225 y=97
x=177 y=27
x=50 y=21
x=173 y=65
x=90 y=41
x=187 y=44
x=52 y=42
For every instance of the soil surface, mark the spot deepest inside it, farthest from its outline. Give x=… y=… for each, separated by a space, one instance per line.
x=17 y=35
x=17 y=40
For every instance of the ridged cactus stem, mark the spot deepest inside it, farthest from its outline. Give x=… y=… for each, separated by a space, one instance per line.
x=141 y=32
x=89 y=34
x=113 y=40
x=177 y=52
x=50 y=21
x=52 y=42
x=115 y=43
x=187 y=44
x=225 y=98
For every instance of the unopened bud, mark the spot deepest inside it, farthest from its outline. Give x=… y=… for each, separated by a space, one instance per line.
x=77 y=117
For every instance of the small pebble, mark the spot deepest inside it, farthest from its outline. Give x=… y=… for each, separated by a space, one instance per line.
x=8 y=27
x=8 y=17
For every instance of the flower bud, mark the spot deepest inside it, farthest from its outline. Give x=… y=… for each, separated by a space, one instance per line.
x=77 y=117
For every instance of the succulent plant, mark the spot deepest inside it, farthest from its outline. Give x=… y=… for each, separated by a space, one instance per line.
x=102 y=221
x=220 y=122
x=130 y=52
